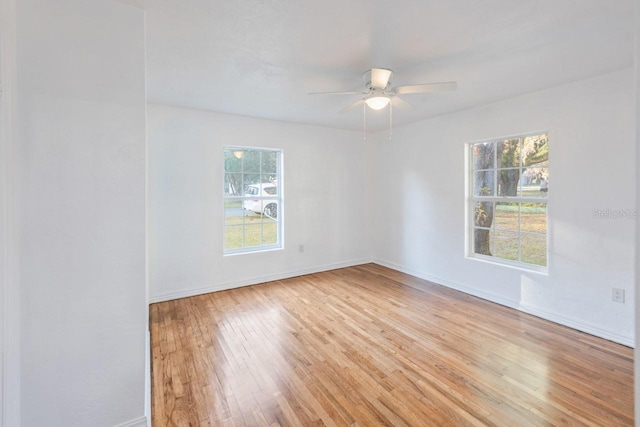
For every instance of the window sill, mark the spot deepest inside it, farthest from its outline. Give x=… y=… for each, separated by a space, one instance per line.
x=253 y=251
x=521 y=266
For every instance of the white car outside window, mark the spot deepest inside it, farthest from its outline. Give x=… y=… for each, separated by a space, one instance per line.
x=267 y=207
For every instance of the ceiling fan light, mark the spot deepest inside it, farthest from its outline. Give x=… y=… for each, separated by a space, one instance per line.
x=377 y=102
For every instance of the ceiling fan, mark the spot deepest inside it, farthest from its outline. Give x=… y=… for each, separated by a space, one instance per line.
x=378 y=93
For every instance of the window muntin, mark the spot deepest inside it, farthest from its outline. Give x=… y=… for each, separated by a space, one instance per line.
x=252 y=199
x=509 y=182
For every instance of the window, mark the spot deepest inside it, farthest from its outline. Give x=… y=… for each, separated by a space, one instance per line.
x=252 y=199
x=509 y=185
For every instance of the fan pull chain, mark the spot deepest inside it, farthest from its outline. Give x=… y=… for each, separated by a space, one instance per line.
x=364 y=121
x=390 y=118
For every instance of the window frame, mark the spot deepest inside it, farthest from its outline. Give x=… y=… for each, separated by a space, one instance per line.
x=278 y=198
x=472 y=200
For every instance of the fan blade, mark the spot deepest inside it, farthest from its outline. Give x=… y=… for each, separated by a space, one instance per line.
x=401 y=104
x=380 y=77
x=337 y=93
x=424 y=88
x=352 y=106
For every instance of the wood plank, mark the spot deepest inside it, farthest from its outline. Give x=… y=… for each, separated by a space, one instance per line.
x=367 y=346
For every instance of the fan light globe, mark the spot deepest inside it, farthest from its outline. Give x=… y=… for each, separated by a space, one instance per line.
x=377 y=102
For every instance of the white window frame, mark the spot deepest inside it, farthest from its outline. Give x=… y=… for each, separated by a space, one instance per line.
x=278 y=198
x=473 y=199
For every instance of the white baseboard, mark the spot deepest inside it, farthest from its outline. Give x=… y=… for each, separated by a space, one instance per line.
x=578 y=324
x=255 y=280
x=561 y=319
x=138 y=422
x=453 y=285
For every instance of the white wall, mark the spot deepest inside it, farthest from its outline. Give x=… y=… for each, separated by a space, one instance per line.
x=420 y=177
x=82 y=203
x=325 y=200
x=9 y=285
x=637 y=283
x=415 y=216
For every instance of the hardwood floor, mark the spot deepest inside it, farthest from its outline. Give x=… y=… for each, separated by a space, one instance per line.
x=368 y=346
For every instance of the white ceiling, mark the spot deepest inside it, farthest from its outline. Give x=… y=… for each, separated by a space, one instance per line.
x=260 y=58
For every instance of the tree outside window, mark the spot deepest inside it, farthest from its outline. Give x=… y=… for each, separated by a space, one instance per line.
x=509 y=188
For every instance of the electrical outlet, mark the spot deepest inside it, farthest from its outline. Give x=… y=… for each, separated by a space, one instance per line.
x=618 y=295
x=301 y=248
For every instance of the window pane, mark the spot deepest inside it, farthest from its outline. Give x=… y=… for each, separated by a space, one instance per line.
x=233 y=213
x=483 y=214
x=504 y=244
x=535 y=182
x=506 y=216
x=484 y=183
x=252 y=234
x=233 y=160
x=533 y=249
x=483 y=155
x=252 y=179
x=233 y=185
x=528 y=186
x=270 y=209
x=509 y=153
x=233 y=237
x=269 y=185
x=508 y=182
x=535 y=150
x=252 y=207
x=251 y=161
x=544 y=182
x=270 y=161
x=482 y=241
x=270 y=232
x=533 y=217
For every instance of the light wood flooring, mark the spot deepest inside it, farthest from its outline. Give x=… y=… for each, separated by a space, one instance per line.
x=368 y=346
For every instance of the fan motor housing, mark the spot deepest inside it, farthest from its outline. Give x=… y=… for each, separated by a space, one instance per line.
x=366 y=76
